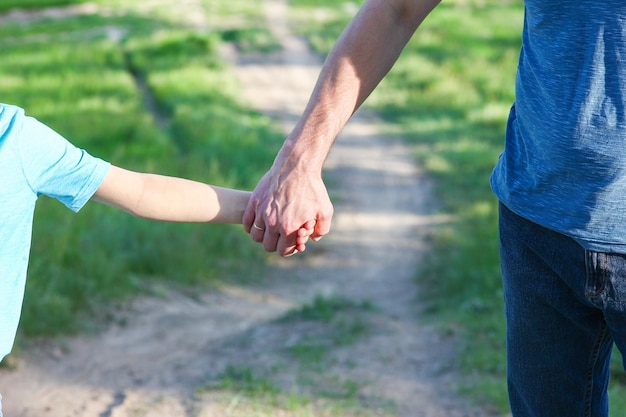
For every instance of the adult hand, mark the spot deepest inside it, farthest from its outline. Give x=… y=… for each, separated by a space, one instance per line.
x=292 y=192
x=286 y=208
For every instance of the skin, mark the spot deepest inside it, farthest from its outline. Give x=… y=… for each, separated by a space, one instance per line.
x=292 y=191
x=163 y=198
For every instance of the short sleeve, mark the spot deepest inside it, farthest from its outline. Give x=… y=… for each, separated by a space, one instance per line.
x=56 y=168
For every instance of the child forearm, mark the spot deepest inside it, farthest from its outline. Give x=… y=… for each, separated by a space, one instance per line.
x=180 y=200
x=164 y=198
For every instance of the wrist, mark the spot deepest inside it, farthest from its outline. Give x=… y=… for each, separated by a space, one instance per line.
x=303 y=154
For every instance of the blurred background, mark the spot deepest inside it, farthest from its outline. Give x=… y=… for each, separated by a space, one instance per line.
x=143 y=84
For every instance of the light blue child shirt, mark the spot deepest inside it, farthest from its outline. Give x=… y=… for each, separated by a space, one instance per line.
x=564 y=162
x=34 y=160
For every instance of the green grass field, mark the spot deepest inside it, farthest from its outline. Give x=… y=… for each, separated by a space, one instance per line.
x=128 y=85
x=34 y=4
x=148 y=95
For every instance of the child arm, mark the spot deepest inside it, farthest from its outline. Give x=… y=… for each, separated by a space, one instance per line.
x=159 y=197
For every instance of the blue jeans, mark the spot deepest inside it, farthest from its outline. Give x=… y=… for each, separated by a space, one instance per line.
x=565 y=308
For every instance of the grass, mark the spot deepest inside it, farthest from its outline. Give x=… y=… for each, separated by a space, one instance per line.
x=343 y=322
x=287 y=405
x=135 y=88
x=128 y=87
x=326 y=308
x=150 y=96
x=7 y=5
x=315 y=385
x=328 y=323
x=245 y=381
x=449 y=96
x=244 y=392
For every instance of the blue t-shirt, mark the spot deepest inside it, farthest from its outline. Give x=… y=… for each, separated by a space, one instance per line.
x=34 y=160
x=564 y=162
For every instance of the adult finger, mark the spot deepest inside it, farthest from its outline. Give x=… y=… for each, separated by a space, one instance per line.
x=257 y=230
x=270 y=239
x=249 y=216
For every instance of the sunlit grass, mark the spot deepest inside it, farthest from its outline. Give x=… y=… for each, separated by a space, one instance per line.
x=28 y=4
x=448 y=95
x=86 y=83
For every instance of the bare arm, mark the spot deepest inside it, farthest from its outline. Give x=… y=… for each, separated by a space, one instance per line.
x=159 y=197
x=292 y=190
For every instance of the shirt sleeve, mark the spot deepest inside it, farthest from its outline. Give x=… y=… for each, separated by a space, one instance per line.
x=56 y=168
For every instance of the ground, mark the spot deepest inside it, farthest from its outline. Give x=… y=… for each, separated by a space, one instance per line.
x=165 y=357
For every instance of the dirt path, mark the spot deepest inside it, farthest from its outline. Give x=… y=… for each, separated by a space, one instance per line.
x=168 y=347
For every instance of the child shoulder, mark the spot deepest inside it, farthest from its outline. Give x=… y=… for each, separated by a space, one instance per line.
x=8 y=115
x=10 y=110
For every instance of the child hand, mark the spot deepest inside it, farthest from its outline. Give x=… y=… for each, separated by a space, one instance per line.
x=303 y=235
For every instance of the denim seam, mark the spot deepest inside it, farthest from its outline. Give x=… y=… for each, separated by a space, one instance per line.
x=590 y=272
x=593 y=361
x=605 y=273
x=594 y=287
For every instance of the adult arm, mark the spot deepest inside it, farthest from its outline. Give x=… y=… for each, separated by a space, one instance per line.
x=292 y=191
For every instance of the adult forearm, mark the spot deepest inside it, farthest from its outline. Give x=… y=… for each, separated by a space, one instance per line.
x=292 y=191
x=361 y=57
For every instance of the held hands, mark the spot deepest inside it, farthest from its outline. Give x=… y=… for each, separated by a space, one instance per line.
x=286 y=209
x=302 y=236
